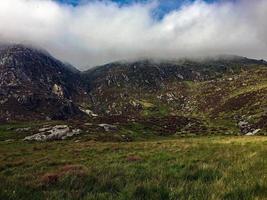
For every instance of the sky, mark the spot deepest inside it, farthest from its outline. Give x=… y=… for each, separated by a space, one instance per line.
x=87 y=33
x=163 y=7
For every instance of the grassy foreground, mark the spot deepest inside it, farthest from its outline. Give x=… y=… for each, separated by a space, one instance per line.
x=182 y=168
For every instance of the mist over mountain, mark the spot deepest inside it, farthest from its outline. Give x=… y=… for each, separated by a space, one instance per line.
x=92 y=33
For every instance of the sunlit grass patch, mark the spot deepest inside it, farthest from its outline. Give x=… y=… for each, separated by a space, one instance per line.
x=183 y=168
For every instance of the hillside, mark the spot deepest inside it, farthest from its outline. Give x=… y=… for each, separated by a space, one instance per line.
x=34 y=85
x=221 y=92
x=224 y=94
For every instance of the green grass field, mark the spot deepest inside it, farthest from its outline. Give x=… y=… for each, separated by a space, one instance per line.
x=179 y=168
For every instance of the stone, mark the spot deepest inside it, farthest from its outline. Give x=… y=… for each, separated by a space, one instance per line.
x=253 y=132
x=57 y=90
x=23 y=129
x=108 y=127
x=58 y=132
x=88 y=112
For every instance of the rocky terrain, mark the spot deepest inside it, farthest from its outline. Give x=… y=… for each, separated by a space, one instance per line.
x=225 y=95
x=34 y=85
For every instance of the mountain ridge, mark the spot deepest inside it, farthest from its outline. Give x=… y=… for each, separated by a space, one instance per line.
x=35 y=85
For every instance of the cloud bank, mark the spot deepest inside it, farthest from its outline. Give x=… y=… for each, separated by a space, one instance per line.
x=98 y=32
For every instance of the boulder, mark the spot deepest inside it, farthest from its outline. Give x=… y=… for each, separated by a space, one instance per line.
x=108 y=127
x=253 y=132
x=58 y=132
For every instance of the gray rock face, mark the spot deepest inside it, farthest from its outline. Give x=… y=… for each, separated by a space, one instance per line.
x=58 y=132
x=32 y=80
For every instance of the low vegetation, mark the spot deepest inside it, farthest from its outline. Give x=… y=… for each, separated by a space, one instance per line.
x=207 y=167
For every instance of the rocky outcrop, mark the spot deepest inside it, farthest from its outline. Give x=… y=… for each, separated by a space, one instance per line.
x=34 y=85
x=58 y=132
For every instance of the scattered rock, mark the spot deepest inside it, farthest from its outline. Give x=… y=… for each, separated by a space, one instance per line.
x=88 y=112
x=23 y=129
x=58 y=132
x=108 y=127
x=253 y=132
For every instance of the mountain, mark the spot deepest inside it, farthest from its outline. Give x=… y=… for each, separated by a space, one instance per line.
x=154 y=75
x=224 y=94
x=34 y=85
x=220 y=92
x=161 y=79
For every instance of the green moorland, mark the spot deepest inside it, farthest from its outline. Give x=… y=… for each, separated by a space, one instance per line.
x=207 y=167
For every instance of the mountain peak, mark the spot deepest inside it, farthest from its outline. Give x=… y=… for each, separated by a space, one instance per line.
x=31 y=79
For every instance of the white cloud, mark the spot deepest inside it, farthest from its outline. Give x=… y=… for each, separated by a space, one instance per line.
x=98 y=32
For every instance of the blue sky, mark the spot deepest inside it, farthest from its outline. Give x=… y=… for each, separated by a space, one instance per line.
x=165 y=6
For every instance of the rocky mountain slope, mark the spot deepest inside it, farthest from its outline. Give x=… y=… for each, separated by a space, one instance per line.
x=227 y=91
x=226 y=94
x=34 y=85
